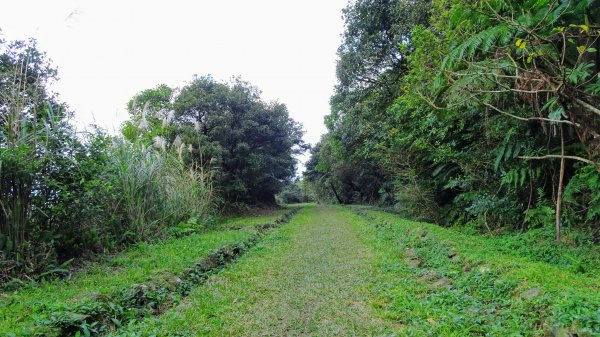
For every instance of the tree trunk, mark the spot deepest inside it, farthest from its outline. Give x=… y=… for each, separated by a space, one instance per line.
x=561 y=177
x=335 y=192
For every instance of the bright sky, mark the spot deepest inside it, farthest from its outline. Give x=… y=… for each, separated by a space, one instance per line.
x=107 y=51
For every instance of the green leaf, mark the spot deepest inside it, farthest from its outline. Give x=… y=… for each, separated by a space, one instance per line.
x=508 y=152
x=550 y=104
x=517 y=150
x=116 y=322
x=557 y=114
x=438 y=170
x=499 y=157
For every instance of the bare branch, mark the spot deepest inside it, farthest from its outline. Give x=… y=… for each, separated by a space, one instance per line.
x=548 y=156
x=527 y=119
x=587 y=106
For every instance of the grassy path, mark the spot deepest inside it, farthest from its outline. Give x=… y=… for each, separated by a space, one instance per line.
x=311 y=278
x=341 y=271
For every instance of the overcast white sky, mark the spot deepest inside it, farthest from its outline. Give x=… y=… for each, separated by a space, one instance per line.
x=107 y=51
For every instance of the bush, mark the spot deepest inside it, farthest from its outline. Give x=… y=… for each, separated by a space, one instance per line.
x=293 y=193
x=63 y=196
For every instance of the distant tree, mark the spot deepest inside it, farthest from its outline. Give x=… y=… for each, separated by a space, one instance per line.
x=254 y=142
x=226 y=126
x=293 y=193
x=151 y=113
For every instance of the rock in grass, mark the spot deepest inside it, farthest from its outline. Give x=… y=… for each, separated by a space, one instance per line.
x=561 y=332
x=411 y=253
x=443 y=282
x=531 y=293
x=413 y=262
x=173 y=283
x=558 y=331
x=429 y=275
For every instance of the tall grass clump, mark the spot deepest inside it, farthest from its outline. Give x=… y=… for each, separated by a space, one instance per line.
x=156 y=191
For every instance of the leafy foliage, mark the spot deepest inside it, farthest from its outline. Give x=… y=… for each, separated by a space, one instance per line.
x=488 y=119
x=293 y=193
x=225 y=127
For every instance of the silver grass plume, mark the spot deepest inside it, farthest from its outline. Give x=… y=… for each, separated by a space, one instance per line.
x=159 y=142
x=144 y=122
x=167 y=117
x=177 y=142
x=162 y=113
x=180 y=150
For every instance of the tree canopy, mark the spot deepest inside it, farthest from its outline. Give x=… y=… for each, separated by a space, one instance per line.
x=225 y=126
x=480 y=113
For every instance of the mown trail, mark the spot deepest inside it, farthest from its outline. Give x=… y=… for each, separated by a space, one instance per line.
x=310 y=278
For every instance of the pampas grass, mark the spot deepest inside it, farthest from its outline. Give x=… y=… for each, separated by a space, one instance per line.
x=156 y=191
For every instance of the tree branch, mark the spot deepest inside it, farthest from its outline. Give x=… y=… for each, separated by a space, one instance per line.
x=548 y=156
x=587 y=106
x=527 y=119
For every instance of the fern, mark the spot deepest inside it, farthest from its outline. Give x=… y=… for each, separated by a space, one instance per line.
x=558 y=12
x=482 y=41
x=507 y=152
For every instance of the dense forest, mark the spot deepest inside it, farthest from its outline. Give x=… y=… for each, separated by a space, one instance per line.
x=482 y=114
x=184 y=157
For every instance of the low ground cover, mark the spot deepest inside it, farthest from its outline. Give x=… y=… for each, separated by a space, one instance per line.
x=331 y=271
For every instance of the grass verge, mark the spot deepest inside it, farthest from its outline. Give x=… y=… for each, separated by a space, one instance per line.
x=436 y=281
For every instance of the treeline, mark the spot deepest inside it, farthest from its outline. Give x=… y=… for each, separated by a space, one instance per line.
x=478 y=113
x=184 y=156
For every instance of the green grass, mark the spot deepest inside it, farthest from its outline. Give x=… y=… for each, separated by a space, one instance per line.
x=20 y=310
x=337 y=271
x=332 y=272
x=464 y=285
x=312 y=277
